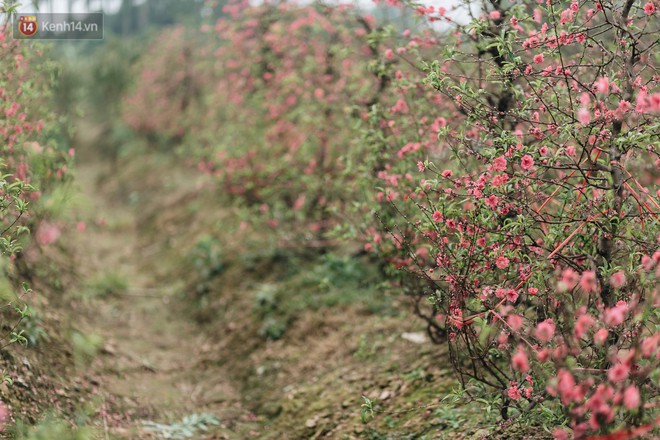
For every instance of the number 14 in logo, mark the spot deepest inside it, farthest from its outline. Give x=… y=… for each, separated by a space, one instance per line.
x=27 y=25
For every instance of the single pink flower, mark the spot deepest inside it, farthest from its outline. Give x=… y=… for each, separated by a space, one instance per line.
x=584 y=116
x=400 y=107
x=538 y=15
x=492 y=201
x=623 y=108
x=499 y=164
x=588 y=281
x=601 y=336
x=654 y=103
x=631 y=398
x=649 y=8
x=618 y=279
x=602 y=84
x=582 y=325
x=545 y=330
x=650 y=345
x=514 y=392
x=618 y=372
x=511 y=295
x=527 y=162
x=520 y=361
x=495 y=15
x=502 y=262
x=47 y=233
x=299 y=203
x=569 y=279
x=515 y=322
x=616 y=315
x=538 y=59
x=566 y=387
x=647 y=263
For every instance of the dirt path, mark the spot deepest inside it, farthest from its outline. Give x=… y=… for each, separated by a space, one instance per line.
x=158 y=373
x=154 y=362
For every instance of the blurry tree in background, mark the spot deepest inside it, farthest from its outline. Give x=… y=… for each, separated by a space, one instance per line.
x=94 y=75
x=132 y=17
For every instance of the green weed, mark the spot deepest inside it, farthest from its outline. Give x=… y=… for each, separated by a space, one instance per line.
x=186 y=428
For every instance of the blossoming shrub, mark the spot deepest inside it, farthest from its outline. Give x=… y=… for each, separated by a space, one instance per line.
x=399 y=129
x=167 y=82
x=29 y=165
x=533 y=220
x=305 y=77
x=275 y=91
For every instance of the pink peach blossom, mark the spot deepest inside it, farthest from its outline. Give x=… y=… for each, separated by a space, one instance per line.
x=545 y=330
x=582 y=325
x=499 y=164
x=601 y=336
x=47 y=233
x=618 y=372
x=502 y=262
x=649 y=8
x=618 y=279
x=602 y=84
x=519 y=361
x=615 y=315
x=527 y=162
x=514 y=393
x=588 y=281
x=631 y=398
x=515 y=322
x=583 y=115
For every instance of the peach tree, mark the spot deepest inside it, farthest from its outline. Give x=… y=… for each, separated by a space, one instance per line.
x=265 y=102
x=522 y=197
x=32 y=162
